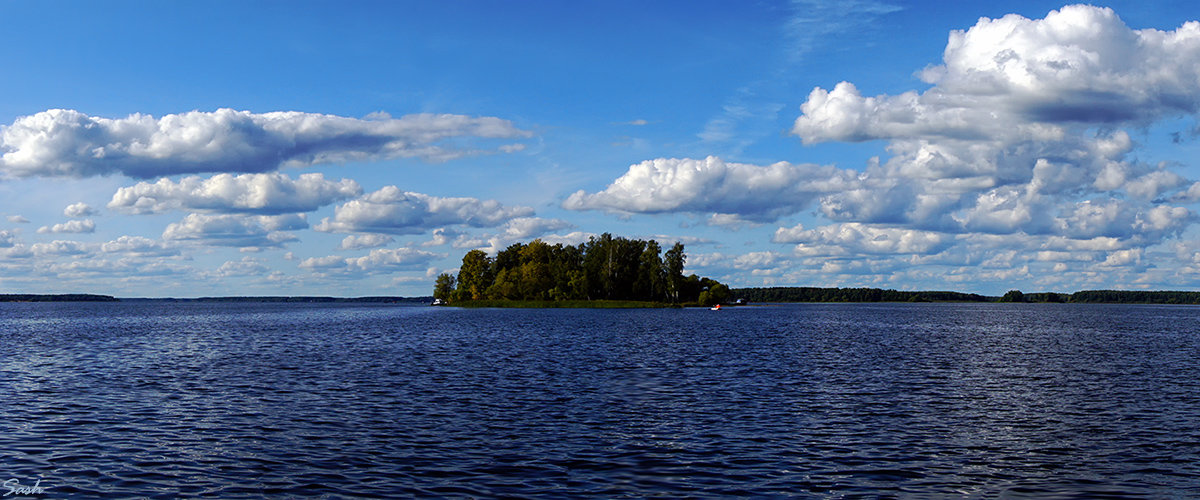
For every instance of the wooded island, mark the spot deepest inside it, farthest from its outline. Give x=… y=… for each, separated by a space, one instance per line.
x=604 y=270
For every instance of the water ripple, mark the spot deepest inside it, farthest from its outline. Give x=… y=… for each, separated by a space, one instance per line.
x=252 y=400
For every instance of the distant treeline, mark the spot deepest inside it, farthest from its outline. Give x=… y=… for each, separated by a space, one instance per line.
x=812 y=294
x=603 y=268
x=1106 y=297
x=64 y=297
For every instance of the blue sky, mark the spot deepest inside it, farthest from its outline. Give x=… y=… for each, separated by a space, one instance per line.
x=349 y=149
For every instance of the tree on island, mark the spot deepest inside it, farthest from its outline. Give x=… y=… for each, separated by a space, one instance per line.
x=1013 y=296
x=443 y=288
x=603 y=268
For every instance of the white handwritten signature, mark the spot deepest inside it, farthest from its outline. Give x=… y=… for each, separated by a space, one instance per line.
x=15 y=488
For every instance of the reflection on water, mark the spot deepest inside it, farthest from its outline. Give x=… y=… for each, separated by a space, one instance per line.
x=169 y=399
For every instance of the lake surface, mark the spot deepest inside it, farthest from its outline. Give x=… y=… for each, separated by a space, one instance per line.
x=250 y=400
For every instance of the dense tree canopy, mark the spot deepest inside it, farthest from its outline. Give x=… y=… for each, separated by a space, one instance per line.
x=603 y=268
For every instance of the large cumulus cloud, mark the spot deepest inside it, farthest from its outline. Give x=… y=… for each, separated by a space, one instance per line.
x=1080 y=64
x=1023 y=131
x=63 y=142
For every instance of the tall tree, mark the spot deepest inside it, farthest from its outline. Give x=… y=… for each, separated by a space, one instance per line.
x=597 y=263
x=443 y=287
x=674 y=261
x=475 y=276
x=536 y=280
x=650 y=281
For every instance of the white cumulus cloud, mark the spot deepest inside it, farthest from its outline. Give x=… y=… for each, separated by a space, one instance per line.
x=1023 y=134
x=76 y=210
x=71 y=226
x=392 y=211
x=393 y=258
x=60 y=247
x=247 y=231
x=63 y=142
x=1080 y=64
x=838 y=239
x=379 y=260
x=271 y=193
x=710 y=185
x=327 y=263
x=247 y=266
x=518 y=230
x=138 y=245
x=360 y=241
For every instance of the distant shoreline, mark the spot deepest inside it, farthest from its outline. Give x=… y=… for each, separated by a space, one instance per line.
x=59 y=297
x=85 y=297
x=820 y=295
x=750 y=295
x=565 y=304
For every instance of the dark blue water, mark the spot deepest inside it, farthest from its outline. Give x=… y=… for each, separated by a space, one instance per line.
x=252 y=400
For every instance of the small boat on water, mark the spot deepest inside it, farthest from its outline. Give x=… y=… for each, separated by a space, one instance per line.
x=715 y=308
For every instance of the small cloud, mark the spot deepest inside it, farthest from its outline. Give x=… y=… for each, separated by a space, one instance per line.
x=442 y=236
x=79 y=210
x=388 y=259
x=248 y=266
x=74 y=226
x=138 y=245
x=266 y=194
x=327 y=263
x=515 y=230
x=17 y=219
x=251 y=233
x=732 y=222
x=357 y=242
x=59 y=247
x=392 y=211
x=751 y=192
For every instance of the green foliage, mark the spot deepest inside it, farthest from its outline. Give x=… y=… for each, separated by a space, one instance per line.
x=717 y=294
x=604 y=268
